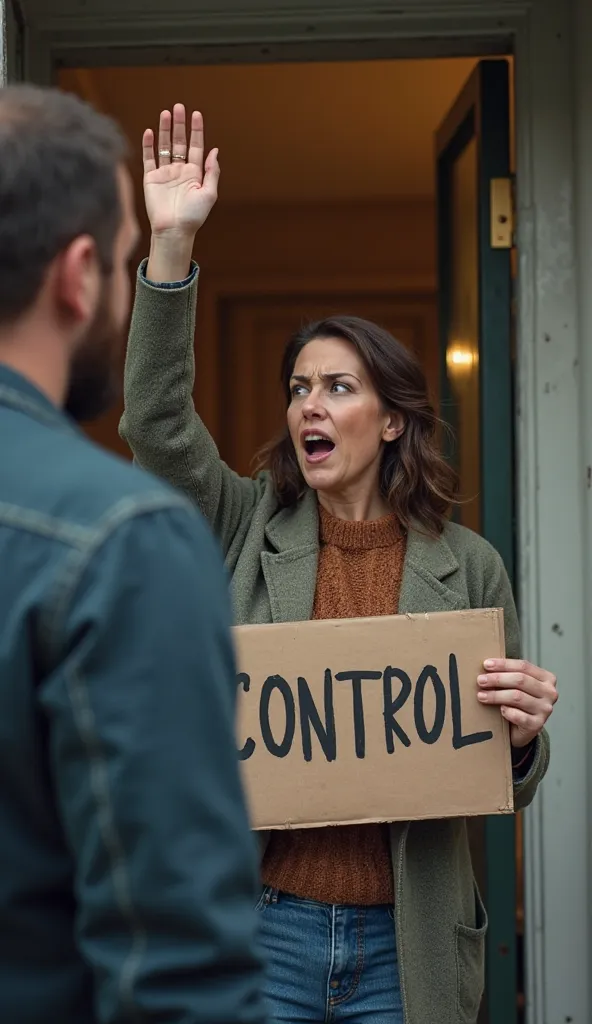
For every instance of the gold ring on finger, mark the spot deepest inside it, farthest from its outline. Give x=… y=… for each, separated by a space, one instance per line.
x=179 y=156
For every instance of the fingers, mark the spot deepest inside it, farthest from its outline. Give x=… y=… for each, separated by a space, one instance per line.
x=212 y=174
x=515 y=680
x=526 y=715
x=148 y=158
x=513 y=665
x=196 y=142
x=164 y=138
x=179 y=133
x=524 y=693
x=172 y=147
x=525 y=727
x=519 y=699
x=522 y=677
x=172 y=139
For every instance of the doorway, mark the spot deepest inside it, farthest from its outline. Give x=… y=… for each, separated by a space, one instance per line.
x=327 y=199
x=328 y=204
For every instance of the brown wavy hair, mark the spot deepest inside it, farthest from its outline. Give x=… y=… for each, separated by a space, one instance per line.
x=415 y=479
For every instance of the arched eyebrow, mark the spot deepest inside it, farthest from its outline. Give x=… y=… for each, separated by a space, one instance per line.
x=325 y=377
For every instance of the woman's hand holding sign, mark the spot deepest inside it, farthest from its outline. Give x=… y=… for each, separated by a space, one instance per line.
x=525 y=693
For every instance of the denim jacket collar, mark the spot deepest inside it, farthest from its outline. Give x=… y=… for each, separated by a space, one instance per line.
x=17 y=392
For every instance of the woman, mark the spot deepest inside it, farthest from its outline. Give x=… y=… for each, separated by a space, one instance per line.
x=350 y=520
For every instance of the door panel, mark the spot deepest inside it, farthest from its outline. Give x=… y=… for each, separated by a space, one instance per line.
x=252 y=335
x=473 y=147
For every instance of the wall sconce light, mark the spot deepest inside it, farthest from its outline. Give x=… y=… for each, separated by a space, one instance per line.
x=460 y=358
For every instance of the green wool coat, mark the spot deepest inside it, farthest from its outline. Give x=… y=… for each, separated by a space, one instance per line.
x=272 y=555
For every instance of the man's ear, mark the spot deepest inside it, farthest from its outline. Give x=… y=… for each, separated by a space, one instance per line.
x=394 y=427
x=78 y=280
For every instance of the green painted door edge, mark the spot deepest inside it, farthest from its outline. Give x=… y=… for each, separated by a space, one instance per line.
x=482 y=111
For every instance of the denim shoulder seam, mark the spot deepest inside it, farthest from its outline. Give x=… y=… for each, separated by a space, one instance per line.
x=84 y=720
x=79 y=557
x=33 y=521
x=76 y=562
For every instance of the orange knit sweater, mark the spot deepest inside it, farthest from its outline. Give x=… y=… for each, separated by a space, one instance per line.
x=359 y=574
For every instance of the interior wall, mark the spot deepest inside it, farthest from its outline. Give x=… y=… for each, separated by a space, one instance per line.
x=320 y=131
x=365 y=240
x=377 y=242
x=396 y=237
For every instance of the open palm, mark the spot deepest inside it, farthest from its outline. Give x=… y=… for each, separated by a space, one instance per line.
x=179 y=190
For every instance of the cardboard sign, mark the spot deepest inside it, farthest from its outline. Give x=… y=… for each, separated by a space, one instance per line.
x=371 y=720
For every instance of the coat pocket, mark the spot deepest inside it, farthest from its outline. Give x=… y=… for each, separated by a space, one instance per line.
x=470 y=964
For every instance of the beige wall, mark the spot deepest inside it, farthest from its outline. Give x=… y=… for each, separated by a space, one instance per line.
x=361 y=145
x=387 y=237
x=351 y=246
x=315 y=132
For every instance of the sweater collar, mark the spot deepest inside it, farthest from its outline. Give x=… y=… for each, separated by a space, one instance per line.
x=358 y=535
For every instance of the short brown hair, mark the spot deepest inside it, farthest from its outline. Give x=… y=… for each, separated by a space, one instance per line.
x=418 y=483
x=58 y=179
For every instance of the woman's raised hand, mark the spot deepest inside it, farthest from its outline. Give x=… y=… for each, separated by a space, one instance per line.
x=179 y=190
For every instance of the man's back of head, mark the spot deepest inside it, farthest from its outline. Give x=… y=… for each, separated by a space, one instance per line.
x=67 y=233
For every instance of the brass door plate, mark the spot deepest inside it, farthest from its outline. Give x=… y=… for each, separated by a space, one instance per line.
x=502 y=213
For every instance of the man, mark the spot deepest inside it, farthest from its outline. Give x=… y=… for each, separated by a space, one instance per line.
x=127 y=869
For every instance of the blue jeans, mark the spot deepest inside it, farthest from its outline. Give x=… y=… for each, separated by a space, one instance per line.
x=329 y=963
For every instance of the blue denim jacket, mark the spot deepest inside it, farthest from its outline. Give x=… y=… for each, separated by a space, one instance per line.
x=127 y=870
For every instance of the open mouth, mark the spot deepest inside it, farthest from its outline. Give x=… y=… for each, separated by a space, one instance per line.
x=317 y=447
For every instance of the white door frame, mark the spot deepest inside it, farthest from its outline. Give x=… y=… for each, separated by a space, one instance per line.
x=12 y=32
x=550 y=404
x=3 y=44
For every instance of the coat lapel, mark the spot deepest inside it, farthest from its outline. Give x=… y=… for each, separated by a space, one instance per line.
x=290 y=570
x=429 y=562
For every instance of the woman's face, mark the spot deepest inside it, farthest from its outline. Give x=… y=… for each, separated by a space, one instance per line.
x=337 y=422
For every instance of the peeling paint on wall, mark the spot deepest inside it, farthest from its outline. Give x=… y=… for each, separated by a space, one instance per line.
x=556 y=246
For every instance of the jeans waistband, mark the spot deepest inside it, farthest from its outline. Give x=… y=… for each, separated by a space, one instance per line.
x=271 y=895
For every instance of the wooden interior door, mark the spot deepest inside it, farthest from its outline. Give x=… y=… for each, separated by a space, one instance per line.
x=252 y=332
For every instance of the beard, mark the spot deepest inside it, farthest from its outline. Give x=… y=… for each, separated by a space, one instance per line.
x=95 y=378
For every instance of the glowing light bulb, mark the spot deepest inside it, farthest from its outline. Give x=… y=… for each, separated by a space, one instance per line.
x=459 y=357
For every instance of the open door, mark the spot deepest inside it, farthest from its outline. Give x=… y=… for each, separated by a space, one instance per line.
x=475 y=291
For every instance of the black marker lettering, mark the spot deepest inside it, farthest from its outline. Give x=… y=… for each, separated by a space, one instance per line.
x=359 y=726
x=458 y=740
x=309 y=715
x=429 y=735
x=277 y=683
x=244 y=680
x=391 y=726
